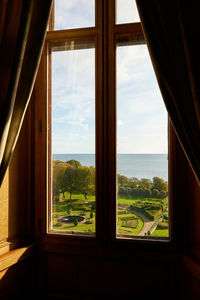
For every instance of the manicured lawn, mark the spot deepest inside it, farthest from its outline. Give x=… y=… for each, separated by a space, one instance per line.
x=153 y=206
x=161 y=233
x=79 y=228
x=76 y=206
x=127 y=222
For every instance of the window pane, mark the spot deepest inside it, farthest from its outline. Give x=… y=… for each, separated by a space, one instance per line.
x=142 y=146
x=73 y=137
x=74 y=14
x=126 y=11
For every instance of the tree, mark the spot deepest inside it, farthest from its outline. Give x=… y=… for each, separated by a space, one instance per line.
x=135 y=181
x=74 y=163
x=122 y=191
x=155 y=193
x=147 y=193
x=93 y=206
x=85 y=178
x=58 y=179
x=91 y=189
x=141 y=193
x=122 y=180
x=56 y=191
x=162 y=194
x=134 y=193
x=92 y=171
x=145 y=183
x=75 y=222
x=70 y=179
x=55 y=162
x=91 y=215
x=68 y=209
x=128 y=191
x=60 y=184
x=160 y=184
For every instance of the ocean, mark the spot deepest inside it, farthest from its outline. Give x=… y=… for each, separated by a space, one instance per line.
x=130 y=165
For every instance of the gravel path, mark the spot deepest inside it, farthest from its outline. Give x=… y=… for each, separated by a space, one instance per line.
x=147 y=223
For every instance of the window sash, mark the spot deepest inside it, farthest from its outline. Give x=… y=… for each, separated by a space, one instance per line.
x=105 y=79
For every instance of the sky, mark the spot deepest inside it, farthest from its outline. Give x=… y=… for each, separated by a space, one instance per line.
x=141 y=115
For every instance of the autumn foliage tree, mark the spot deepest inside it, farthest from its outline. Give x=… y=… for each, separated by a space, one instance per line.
x=74 y=163
x=70 y=180
x=71 y=177
x=59 y=168
x=85 y=180
x=159 y=184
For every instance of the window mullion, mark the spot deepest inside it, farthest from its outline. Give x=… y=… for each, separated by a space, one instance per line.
x=99 y=122
x=111 y=123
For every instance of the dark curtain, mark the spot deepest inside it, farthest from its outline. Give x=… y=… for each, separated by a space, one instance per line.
x=171 y=30
x=22 y=31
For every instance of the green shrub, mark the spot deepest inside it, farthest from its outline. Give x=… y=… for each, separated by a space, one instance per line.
x=143 y=211
x=165 y=217
x=57 y=225
x=75 y=222
x=88 y=221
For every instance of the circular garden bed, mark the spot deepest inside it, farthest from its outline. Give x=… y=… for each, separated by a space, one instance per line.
x=71 y=219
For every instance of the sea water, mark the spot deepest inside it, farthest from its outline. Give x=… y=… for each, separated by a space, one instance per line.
x=130 y=165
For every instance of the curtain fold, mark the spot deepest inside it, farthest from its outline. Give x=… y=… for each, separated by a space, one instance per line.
x=22 y=31
x=171 y=30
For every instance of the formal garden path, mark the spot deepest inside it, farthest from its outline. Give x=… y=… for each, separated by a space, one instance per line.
x=147 y=223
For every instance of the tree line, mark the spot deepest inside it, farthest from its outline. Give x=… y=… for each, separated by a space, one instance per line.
x=142 y=188
x=73 y=178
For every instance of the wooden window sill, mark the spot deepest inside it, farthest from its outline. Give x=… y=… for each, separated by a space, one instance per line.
x=14 y=256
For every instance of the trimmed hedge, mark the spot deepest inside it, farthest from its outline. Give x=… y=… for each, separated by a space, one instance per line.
x=143 y=211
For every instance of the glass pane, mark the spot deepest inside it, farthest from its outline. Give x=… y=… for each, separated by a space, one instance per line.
x=142 y=147
x=73 y=137
x=74 y=14
x=126 y=11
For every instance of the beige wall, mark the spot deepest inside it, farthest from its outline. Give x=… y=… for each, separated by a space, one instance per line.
x=15 y=207
x=4 y=190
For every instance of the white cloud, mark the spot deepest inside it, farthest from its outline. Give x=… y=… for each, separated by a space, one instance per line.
x=142 y=118
x=142 y=143
x=74 y=13
x=133 y=64
x=81 y=13
x=80 y=122
x=73 y=79
x=73 y=142
x=73 y=93
x=139 y=104
x=127 y=11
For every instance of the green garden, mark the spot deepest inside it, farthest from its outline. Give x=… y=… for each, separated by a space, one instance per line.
x=142 y=206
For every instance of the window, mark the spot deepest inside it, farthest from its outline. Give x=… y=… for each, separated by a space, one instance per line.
x=106 y=147
x=73 y=136
x=142 y=165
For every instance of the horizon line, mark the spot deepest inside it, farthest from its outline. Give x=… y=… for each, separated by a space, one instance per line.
x=95 y=153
